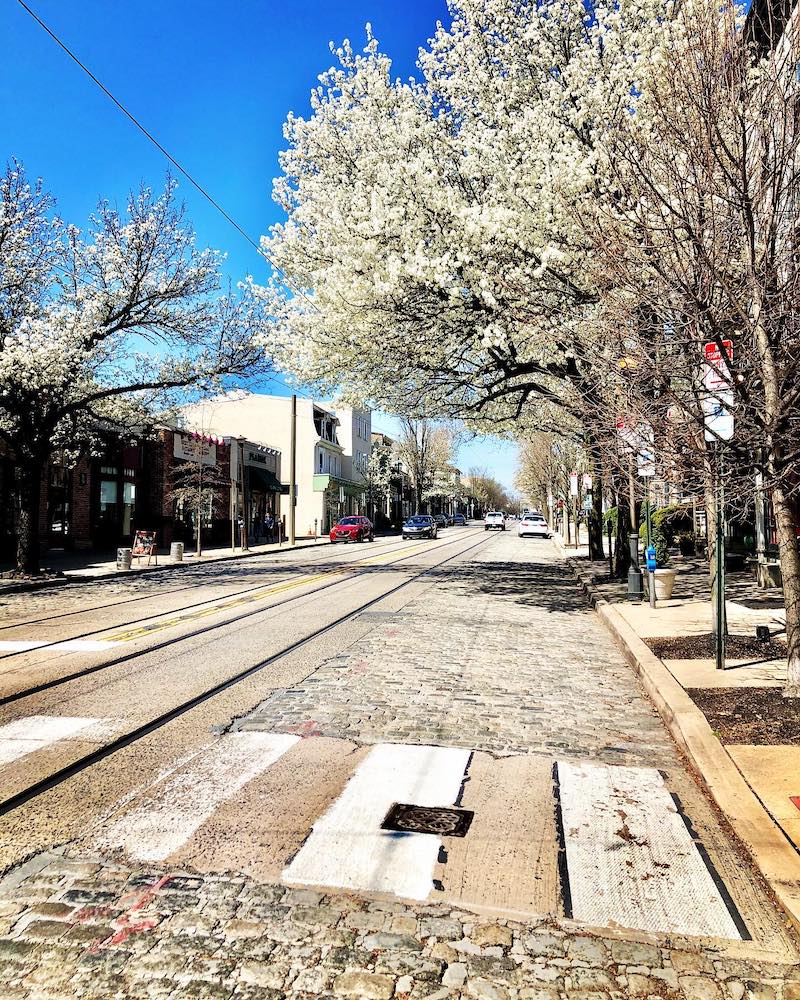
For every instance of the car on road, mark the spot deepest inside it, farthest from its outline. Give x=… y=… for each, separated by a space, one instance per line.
x=441 y=520
x=353 y=529
x=494 y=520
x=533 y=525
x=459 y=520
x=420 y=526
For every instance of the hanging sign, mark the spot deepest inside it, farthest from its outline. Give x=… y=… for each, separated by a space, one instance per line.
x=193 y=448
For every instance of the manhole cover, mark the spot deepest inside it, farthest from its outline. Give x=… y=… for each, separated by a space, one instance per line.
x=428 y=819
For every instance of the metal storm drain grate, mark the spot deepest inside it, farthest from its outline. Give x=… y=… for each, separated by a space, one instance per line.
x=439 y=820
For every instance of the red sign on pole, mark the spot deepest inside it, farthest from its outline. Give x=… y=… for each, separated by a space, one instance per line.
x=716 y=373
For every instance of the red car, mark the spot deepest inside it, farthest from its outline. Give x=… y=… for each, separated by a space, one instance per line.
x=353 y=529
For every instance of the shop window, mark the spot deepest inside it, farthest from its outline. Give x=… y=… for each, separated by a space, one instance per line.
x=108 y=500
x=128 y=507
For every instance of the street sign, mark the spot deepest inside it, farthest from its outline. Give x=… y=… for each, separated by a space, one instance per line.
x=573 y=484
x=645 y=464
x=587 y=503
x=717 y=367
x=587 y=482
x=718 y=416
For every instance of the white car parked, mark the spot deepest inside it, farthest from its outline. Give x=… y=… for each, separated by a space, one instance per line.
x=495 y=519
x=533 y=524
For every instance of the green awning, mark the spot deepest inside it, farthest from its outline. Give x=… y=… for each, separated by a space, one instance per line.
x=263 y=479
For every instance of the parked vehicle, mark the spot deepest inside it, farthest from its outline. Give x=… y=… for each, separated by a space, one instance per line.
x=353 y=529
x=459 y=520
x=494 y=520
x=420 y=526
x=441 y=520
x=533 y=525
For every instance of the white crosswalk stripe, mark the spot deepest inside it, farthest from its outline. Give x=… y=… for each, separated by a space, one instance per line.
x=631 y=860
x=177 y=807
x=347 y=847
x=24 y=736
x=67 y=646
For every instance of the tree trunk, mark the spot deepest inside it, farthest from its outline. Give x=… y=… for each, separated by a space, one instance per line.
x=622 y=550
x=28 y=487
x=789 y=556
x=595 y=515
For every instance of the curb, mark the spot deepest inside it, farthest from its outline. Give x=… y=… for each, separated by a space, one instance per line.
x=25 y=586
x=773 y=854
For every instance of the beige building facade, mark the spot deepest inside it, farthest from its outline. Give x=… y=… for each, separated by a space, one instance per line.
x=332 y=450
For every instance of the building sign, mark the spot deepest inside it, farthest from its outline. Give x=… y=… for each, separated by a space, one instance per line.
x=192 y=448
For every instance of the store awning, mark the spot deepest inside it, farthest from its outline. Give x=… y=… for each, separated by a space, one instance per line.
x=263 y=479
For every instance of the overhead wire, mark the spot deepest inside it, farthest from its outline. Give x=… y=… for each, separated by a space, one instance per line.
x=165 y=152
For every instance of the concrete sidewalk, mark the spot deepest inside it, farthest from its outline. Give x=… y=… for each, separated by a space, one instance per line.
x=756 y=784
x=84 y=567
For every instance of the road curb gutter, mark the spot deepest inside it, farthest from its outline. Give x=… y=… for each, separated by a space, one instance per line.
x=773 y=854
x=23 y=586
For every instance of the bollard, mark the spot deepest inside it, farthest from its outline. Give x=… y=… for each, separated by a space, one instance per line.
x=176 y=551
x=124 y=557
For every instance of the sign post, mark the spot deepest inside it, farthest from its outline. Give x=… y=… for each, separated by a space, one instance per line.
x=718 y=413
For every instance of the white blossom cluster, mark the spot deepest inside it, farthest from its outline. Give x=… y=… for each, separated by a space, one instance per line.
x=434 y=249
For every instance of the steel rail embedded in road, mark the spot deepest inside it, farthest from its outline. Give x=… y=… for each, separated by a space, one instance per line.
x=128 y=657
x=187 y=607
x=102 y=753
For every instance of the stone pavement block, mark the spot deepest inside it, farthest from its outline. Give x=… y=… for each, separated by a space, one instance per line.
x=364 y=985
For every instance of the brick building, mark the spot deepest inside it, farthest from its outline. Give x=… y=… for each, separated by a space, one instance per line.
x=100 y=502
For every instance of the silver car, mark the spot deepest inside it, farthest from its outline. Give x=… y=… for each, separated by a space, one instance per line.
x=420 y=526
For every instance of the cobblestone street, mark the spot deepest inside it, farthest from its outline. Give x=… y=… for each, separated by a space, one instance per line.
x=501 y=655
x=166 y=894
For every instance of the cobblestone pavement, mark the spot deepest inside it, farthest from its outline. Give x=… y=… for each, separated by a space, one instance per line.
x=500 y=655
x=83 y=930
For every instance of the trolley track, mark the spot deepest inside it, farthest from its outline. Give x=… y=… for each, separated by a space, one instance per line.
x=270 y=557
x=81 y=764
x=338 y=572
x=231 y=595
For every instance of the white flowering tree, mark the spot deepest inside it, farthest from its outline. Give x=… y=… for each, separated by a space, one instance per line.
x=427 y=222
x=99 y=329
x=425 y=449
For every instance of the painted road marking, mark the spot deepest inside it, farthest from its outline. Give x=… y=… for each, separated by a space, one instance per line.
x=174 y=809
x=348 y=849
x=201 y=611
x=68 y=645
x=24 y=736
x=631 y=861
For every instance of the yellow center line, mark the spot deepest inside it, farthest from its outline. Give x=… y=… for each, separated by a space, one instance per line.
x=128 y=635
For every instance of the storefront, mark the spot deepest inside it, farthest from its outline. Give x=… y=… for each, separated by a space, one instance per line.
x=113 y=497
x=255 y=473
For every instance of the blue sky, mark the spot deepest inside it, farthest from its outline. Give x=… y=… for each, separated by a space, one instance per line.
x=213 y=82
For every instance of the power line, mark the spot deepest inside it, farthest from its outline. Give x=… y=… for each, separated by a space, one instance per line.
x=259 y=250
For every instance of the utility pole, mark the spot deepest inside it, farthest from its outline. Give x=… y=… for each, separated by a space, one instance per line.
x=292 y=469
x=244 y=541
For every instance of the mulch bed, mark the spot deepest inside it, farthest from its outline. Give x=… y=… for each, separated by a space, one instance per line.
x=701 y=647
x=753 y=715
